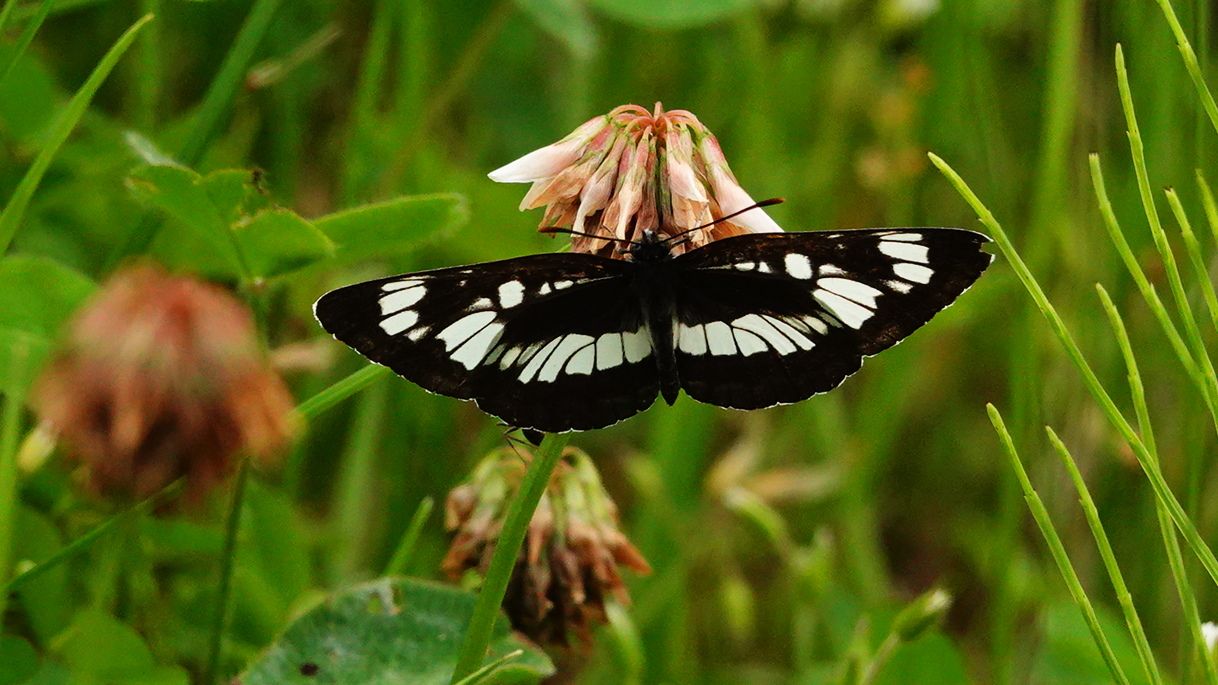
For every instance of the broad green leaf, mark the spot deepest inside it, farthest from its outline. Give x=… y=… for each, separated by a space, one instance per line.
x=393 y=227
x=566 y=20
x=27 y=99
x=18 y=660
x=37 y=295
x=182 y=194
x=392 y=630
x=98 y=645
x=233 y=193
x=672 y=14
x=277 y=241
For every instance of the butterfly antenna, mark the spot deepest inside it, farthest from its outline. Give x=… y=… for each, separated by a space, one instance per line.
x=551 y=230
x=738 y=212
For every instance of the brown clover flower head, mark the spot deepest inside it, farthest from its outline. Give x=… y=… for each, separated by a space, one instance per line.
x=161 y=376
x=569 y=565
x=632 y=170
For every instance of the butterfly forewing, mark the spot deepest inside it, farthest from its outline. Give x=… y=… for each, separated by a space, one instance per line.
x=554 y=342
x=775 y=318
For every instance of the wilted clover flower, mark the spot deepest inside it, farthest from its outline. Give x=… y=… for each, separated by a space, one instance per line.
x=568 y=566
x=161 y=376
x=632 y=170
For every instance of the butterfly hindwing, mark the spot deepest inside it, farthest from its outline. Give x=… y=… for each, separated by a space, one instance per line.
x=553 y=342
x=776 y=318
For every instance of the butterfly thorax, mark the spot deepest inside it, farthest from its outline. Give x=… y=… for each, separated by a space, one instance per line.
x=651 y=249
x=654 y=289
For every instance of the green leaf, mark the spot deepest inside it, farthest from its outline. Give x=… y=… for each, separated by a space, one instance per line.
x=393 y=227
x=672 y=14
x=37 y=295
x=180 y=193
x=46 y=600
x=566 y=20
x=930 y=659
x=19 y=660
x=97 y=644
x=1068 y=653
x=391 y=630
x=278 y=241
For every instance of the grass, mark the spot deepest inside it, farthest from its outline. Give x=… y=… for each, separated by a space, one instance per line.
x=784 y=543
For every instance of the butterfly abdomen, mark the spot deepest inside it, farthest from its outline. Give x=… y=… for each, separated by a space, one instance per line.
x=660 y=313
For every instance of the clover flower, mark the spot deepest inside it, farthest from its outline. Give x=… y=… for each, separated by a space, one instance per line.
x=569 y=565
x=629 y=171
x=159 y=377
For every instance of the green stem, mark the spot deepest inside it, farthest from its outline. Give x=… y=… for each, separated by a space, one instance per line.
x=507 y=550
x=26 y=37
x=1149 y=466
x=10 y=428
x=401 y=555
x=227 y=561
x=326 y=399
x=1057 y=549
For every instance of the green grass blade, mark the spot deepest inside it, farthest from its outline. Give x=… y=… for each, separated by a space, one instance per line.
x=1207 y=202
x=10 y=430
x=1175 y=561
x=1053 y=540
x=26 y=37
x=1115 y=418
x=401 y=555
x=341 y=390
x=1195 y=256
x=228 y=80
x=59 y=131
x=6 y=12
x=1190 y=63
x=1124 y=599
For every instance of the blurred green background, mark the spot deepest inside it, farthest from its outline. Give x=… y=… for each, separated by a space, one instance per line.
x=783 y=541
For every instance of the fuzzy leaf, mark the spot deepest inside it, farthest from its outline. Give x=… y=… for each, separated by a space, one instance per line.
x=392 y=630
x=277 y=241
x=393 y=227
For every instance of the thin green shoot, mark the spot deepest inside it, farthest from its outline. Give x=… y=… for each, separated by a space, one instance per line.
x=1195 y=256
x=26 y=37
x=10 y=432
x=1190 y=63
x=341 y=390
x=1124 y=599
x=228 y=559
x=401 y=556
x=1151 y=468
x=1057 y=549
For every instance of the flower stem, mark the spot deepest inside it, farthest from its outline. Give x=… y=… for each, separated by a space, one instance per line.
x=226 y=573
x=10 y=428
x=507 y=550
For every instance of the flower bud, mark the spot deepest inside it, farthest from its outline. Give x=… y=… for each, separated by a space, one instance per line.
x=922 y=615
x=569 y=565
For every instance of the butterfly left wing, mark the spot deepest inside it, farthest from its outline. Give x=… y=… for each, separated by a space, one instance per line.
x=775 y=318
x=553 y=342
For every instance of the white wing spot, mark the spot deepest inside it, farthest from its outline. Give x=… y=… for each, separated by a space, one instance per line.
x=583 y=361
x=850 y=313
x=559 y=285
x=904 y=237
x=401 y=285
x=608 y=351
x=399 y=322
x=691 y=339
x=570 y=344
x=471 y=352
x=749 y=342
x=746 y=266
x=764 y=330
x=762 y=267
x=859 y=292
x=544 y=289
x=481 y=303
x=913 y=272
x=637 y=345
x=905 y=251
x=830 y=270
x=402 y=299
x=899 y=286
x=790 y=332
x=719 y=338
x=511 y=294
x=535 y=362
x=418 y=333
x=464 y=328
x=510 y=357
x=798 y=266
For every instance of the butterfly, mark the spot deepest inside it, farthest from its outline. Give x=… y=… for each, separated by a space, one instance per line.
x=572 y=341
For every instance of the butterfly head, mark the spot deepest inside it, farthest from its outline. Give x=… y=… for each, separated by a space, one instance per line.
x=651 y=248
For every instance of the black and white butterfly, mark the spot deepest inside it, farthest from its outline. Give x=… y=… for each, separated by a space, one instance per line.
x=571 y=341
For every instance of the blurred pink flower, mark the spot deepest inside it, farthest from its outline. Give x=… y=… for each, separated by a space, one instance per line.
x=632 y=170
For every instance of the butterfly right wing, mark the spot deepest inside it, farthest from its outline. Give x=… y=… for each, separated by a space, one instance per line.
x=553 y=342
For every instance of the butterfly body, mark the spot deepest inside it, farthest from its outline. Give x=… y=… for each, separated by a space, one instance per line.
x=569 y=341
